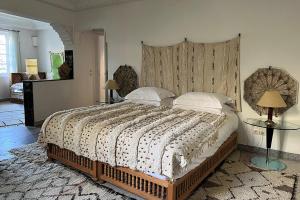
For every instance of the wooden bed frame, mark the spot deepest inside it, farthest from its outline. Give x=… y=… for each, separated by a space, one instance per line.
x=140 y=183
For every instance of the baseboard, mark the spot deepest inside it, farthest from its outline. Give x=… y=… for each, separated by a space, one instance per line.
x=273 y=153
x=39 y=123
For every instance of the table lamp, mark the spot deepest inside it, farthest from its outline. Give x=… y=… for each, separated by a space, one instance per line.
x=271 y=99
x=31 y=66
x=111 y=85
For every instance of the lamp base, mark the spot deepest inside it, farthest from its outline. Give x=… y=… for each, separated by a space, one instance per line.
x=111 y=98
x=269 y=122
x=266 y=164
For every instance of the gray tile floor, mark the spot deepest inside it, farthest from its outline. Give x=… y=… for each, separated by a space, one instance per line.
x=16 y=136
x=11 y=114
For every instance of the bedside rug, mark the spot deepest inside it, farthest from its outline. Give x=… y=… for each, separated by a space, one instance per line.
x=28 y=175
x=235 y=180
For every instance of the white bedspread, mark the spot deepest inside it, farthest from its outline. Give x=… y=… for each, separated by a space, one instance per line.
x=156 y=140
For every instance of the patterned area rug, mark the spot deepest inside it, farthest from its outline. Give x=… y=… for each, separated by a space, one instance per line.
x=235 y=180
x=30 y=176
x=11 y=114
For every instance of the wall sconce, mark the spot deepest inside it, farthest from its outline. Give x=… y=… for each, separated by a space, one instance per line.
x=35 y=41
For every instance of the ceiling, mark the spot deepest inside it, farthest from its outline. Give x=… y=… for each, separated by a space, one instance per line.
x=12 y=21
x=79 y=5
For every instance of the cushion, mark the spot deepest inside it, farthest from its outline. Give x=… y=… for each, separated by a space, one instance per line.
x=25 y=76
x=149 y=94
x=64 y=71
x=203 y=100
x=34 y=77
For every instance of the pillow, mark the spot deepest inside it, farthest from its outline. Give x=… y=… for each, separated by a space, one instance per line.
x=164 y=102
x=203 y=100
x=34 y=77
x=149 y=94
x=24 y=76
x=64 y=71
x=217 y=111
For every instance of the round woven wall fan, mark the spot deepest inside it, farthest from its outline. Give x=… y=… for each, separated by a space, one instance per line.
x=127 y=80
x=270 y=79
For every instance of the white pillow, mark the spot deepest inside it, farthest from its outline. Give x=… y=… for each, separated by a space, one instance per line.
x=164 y=102
x=217 y=111
x=149 y=94
x=203 y=100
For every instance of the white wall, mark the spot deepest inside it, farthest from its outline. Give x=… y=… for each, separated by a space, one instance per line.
x=27 y=50
x=48 y=40
x=4 y=86
x=270 y=36
x=51 y=96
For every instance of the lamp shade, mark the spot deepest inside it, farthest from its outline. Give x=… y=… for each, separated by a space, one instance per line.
x=31 y=66
x=112 y=85
x=271 y=99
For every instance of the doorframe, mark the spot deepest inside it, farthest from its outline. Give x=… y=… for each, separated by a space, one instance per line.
x=97 y=78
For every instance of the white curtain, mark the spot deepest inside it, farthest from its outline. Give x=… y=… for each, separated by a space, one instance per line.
x=14 y=60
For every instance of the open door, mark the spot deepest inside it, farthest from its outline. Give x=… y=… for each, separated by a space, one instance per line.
x=101 y=68
x=91 y=53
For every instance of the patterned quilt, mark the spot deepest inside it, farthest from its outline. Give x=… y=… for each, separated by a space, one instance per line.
x=150 y=139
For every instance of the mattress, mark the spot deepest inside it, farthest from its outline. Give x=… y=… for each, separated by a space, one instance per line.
x=151 y=139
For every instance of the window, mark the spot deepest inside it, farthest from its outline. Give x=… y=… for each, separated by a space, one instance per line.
x=3 y=53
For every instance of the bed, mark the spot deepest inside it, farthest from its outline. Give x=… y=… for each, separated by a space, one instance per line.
x=156 y=152
x=16 y=88
x=124 y=130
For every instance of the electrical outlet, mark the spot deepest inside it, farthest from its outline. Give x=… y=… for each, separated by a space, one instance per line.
x=258 y=131
x=261 y=131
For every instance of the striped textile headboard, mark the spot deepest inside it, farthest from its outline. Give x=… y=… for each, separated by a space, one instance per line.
x=190 y=66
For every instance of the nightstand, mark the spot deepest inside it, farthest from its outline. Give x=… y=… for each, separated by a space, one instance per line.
x=266 y=162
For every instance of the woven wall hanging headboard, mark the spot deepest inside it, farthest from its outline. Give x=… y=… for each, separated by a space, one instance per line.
x=270 y=79
x=190 y=66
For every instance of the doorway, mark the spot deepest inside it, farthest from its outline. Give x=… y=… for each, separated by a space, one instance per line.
x=28 y=49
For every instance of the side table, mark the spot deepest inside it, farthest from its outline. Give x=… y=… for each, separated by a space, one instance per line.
x=266 y=162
